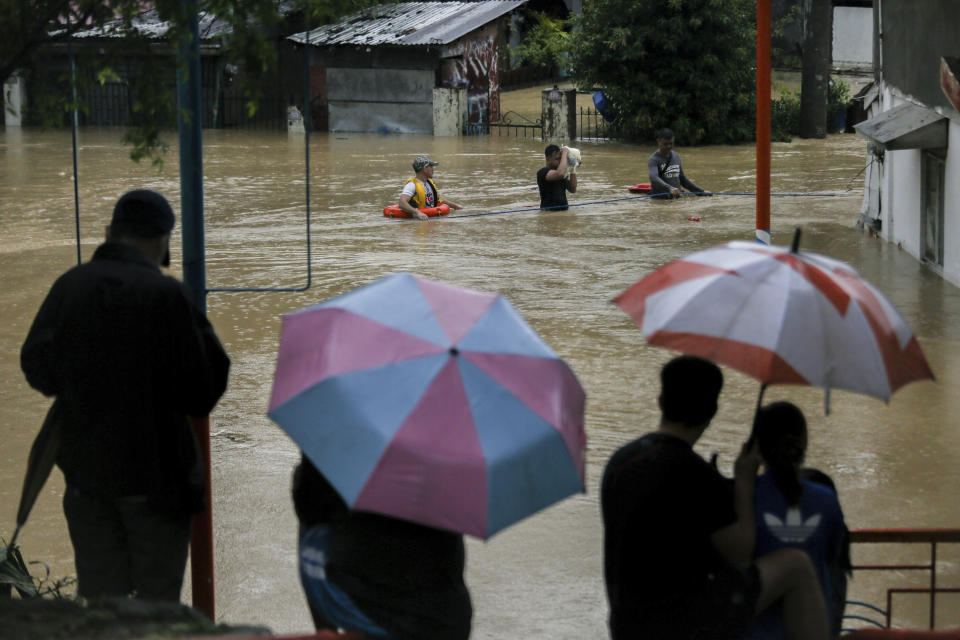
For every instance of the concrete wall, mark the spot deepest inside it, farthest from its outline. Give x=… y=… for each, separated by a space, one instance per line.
x=449 y=111
x=14 y=100
x=385 y=100
x=558 y=114
x=853 y=36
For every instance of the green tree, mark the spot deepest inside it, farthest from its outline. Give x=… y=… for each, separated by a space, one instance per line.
x=546 y=44
x=31 y=29
x=684 y=64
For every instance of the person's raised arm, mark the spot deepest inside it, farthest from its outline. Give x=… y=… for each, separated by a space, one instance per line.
x=561 y=171
x=572 y=183
x=735 y=542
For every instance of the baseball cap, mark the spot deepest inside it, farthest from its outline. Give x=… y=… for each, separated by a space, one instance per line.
x=422 y=161
x=142 y=213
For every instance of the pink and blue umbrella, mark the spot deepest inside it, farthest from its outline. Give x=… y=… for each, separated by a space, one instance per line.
x=432 y=403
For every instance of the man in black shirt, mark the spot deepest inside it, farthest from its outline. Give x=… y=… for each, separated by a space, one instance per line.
x=554 y=180
x=128 y=357
x=679 y=538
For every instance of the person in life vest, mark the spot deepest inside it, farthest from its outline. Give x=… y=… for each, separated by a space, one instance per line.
x=420 y=191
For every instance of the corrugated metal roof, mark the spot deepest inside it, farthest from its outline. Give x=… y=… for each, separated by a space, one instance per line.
x=149 y=25
x=409 y=23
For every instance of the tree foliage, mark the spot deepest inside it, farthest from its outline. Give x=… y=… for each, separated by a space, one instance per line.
x=684 y=64
x=546 y=44
x=32 y=30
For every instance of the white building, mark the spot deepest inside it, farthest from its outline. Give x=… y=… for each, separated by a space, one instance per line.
x=912 y=185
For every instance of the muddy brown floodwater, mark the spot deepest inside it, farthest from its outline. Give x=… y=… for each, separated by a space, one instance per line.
x=895 y=464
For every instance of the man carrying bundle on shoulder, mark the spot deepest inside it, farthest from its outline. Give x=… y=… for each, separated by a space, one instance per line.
x=558 y=177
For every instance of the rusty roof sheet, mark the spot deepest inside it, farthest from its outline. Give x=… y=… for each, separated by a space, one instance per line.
x=409 y=23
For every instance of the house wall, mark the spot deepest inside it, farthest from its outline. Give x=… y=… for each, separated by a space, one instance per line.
x=913 y=41
x=473 y=62
x=385 y=100
x=853 y=36
x=899 y=180
x=951 y=214
x=907 y=59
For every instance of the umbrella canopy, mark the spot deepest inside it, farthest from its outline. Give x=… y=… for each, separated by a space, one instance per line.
x=432 y=403
x=779 y=315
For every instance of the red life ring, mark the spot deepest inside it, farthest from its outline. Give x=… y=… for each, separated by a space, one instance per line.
x=643 y=187
x=394 y=211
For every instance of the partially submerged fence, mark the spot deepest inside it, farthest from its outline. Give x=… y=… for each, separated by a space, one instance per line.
x=930 y=537
x=591 y=125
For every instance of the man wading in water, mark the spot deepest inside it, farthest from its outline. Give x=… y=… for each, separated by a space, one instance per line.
x=554 y=180
x=666 y=172
x=420 y=192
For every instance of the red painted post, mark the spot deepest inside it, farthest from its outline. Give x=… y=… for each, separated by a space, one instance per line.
x=201 y=544
x=763 y=121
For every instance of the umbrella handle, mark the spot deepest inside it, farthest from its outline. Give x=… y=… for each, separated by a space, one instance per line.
x=756 y=415
x=795 y=245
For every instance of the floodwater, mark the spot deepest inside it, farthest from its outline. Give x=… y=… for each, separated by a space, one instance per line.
x=895 y=464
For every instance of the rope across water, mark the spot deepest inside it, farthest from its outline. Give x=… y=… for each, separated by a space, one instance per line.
x=586 y=204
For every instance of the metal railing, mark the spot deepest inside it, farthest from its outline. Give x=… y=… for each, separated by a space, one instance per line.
x=591 y=125
x=931 y=537
x=511 y=123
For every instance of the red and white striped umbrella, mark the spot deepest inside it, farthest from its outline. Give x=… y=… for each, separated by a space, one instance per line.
x=780 y=315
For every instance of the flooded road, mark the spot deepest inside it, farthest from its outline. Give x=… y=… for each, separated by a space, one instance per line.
x=895 y=465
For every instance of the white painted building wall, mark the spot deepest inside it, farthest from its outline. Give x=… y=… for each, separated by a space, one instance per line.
x=853 y=36
x=900 y=183
x=951 y=215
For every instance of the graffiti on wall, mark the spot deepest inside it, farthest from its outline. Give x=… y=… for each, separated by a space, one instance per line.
x=472 y=63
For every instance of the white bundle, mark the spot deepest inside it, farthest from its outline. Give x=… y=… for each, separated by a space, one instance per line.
x=573 y=160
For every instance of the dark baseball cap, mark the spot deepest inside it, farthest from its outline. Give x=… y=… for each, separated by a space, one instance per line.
x=142 y=213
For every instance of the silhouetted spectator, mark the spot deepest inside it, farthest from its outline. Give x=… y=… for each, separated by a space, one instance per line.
x=794 y=512
x=128 y=357
x=679 y=538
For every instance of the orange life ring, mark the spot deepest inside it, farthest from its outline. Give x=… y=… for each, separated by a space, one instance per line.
x=394 y=211
x=643 y=187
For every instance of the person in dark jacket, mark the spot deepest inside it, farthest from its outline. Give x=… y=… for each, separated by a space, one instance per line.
x=128 y=357
x=388 y=578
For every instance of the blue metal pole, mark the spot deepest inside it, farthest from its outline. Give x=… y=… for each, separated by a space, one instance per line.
x=73 y=130
x=190 y=120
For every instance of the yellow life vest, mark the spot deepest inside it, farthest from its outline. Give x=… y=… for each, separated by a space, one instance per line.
x=419 y=199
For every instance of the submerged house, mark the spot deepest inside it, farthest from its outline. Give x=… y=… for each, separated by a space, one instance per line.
x=912 y=184
x=393 y=68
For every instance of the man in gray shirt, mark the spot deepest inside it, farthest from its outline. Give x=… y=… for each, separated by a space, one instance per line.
x=666 y=173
